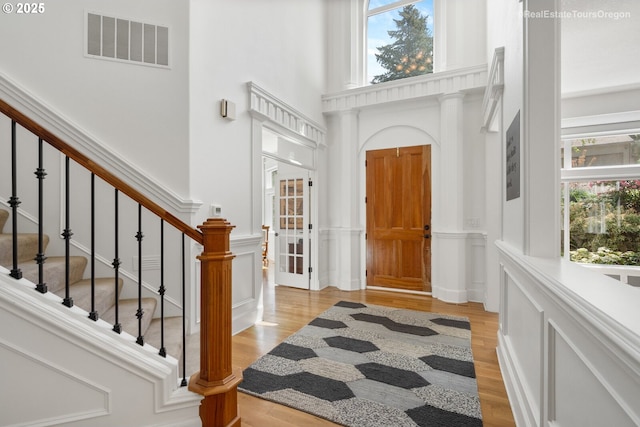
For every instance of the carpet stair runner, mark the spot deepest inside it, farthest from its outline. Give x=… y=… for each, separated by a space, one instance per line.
x=80 y=290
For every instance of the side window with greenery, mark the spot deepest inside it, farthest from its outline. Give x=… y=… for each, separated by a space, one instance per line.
x=399 y=39
x=601 y=186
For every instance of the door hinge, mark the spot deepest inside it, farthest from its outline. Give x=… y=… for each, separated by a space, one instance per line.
x=310 y=183
x=310 y=226
x=365 y=236
x=365 y=199
x=366 y=273
x=365 y=163
x=310 y=269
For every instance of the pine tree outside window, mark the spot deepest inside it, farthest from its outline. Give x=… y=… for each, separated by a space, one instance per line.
x=399 y=39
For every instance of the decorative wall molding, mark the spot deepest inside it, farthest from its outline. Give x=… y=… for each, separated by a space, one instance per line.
x=326 y=264
x=74 y=135
x=429 y=85
x=602 y=91
x=600 y=342
x=264 y=105
x=247 y=309
x=476 y=261
x=96 y=399
x=451 y=235
x=41 y=318
x=495 y=87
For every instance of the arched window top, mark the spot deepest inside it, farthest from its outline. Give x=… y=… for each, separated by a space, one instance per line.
x=399 y=39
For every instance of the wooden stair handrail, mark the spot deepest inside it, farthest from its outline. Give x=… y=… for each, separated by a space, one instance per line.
x=98 y=170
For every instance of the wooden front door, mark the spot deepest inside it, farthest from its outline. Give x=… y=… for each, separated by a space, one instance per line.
x=399 y=218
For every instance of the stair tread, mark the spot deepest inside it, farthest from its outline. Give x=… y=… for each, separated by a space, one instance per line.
x=104 y=294
x=4 y=215
x=27 y=247
x=172 y=335
x=54 y=271
x=80 y=290
x=127 y=309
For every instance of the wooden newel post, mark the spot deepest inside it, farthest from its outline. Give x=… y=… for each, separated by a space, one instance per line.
x=216 y=381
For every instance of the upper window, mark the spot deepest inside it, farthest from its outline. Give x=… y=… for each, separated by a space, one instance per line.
x=399 y=39
x=601 y=186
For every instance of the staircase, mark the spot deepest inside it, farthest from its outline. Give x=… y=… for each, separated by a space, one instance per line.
x=80 y=290
x=68 y=344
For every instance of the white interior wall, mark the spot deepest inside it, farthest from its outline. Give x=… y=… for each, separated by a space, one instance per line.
x=592 y=55
x=231 y=44
x=600 y=81
x=473 y=166
x=264 y=42
x=459 y=34
x=139 y=112
x=505 y=29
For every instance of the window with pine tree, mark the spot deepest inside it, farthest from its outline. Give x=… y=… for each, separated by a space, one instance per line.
x=399 y=39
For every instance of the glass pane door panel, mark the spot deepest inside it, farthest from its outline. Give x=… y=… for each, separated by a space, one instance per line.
x=292 y=240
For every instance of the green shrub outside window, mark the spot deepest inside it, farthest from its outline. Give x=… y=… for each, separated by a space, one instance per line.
x=604 y=221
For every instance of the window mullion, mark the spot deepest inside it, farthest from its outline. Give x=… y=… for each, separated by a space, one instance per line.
x=600 y=173
x=566 y=220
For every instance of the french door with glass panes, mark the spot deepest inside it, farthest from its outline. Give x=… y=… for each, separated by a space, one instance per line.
x=291 y=223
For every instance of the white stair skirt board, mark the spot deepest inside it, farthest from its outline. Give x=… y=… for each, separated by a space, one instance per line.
x=93 y=371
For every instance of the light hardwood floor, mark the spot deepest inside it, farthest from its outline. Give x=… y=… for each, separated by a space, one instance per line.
x=287 y=309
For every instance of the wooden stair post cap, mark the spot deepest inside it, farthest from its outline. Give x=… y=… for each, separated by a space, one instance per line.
x=215 y=234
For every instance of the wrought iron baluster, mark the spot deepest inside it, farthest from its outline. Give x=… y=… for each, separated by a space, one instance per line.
x=117 y=327
x=161 y=291
x=139 y=312
x=93 y=315
x=66 y=234
x=14 y=201
x=184 y=325
x=40 y=257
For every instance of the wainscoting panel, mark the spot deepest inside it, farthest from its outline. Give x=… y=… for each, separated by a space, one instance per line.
x=60 y=368
x=458 y=266
x=326 y=266
x=572 y=378
x=81 y=399
x=247 y=281
x=476 y=256
x=525 y=320
x=568 y=343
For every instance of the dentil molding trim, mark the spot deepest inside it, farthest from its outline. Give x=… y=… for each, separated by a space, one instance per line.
x=266 y=106
x=428 y=85
x=74 y=135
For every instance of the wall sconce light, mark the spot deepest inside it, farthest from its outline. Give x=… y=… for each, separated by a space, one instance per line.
x=228 y=109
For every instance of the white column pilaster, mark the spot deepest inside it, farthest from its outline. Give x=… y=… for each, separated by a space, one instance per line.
x=541 y=130
x=344 y=200
x=449 y=269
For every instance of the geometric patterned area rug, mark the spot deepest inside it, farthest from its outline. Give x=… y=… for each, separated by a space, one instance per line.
x=367 y=366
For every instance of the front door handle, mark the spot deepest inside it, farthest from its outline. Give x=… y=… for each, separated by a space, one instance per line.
x=426 y=236
x=426 y=227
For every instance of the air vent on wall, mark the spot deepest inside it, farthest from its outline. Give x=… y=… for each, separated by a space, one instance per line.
x=126 y=40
